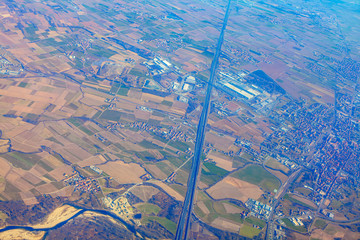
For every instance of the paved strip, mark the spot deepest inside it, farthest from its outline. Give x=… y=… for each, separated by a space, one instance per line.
x=185 y=217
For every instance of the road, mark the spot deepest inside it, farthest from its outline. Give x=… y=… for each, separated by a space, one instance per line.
x=184 y=221
x=281 y=192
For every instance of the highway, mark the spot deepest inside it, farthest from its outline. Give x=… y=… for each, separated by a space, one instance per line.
x=280 y=194
x=185 y=217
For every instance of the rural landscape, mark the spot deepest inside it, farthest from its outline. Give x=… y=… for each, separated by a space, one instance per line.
x=100 y=102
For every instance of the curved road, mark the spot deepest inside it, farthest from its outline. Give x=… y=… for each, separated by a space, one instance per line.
x=184 y=221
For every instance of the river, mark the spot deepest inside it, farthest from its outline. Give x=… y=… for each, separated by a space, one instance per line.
x=130 y=227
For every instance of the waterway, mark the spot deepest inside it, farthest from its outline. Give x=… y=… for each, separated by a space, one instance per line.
x=130 y=227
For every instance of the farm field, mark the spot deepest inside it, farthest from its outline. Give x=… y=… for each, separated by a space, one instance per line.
x=231 y=187
x=257 y=175
x=100 y=103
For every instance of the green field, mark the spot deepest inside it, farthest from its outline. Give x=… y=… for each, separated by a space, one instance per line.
x=210 y=173
x=148 y=208
x=30 y=117
x=115 y=87
x=158 y=114
x=21 y=160
x=166 y=223
x=208 y=54
x=106 y=191
x=319 y=223
x=216 y=209
x=239 y=162
x=75 y=121
x=154 y=122
x=256 y=221
x=167 y=103
x=22 y=84
x=111 y=115
x=180 y=189
x=175 y=160
x=288 y=197
x=45 y=166
x=52 y=139
x=274 y=164
x=100 y=51
x=248 y=231
x=123 y=91
x=145 y=156
x=151 y=84
x=290 y=225
x=80 y=142
x=137 y=72
x=50 y=177
x=179 y=145
x=335 y=204
x=161 y=139
x=259 y=176
x=149 y=145
x=3 y=216
x=212 y=168
x=86 y=130
x=247 y=156
x=304 y=191
x=165 y=167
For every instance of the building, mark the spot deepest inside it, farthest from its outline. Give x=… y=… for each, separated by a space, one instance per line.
x=187 y=87
x=190 y=79
x=176 y=86
x=242 y=92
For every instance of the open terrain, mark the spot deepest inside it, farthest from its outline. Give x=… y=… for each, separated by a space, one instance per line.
x=101 y=100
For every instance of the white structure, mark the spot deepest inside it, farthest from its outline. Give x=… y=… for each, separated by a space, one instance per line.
x=190 y=79
x=239 y=91
x=187 y=87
